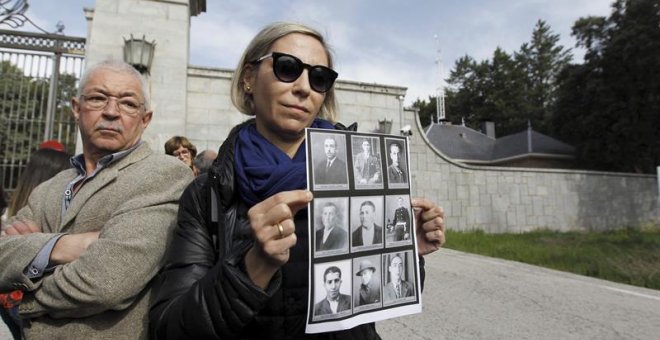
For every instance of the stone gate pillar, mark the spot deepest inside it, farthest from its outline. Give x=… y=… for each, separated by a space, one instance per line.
x=168 y=24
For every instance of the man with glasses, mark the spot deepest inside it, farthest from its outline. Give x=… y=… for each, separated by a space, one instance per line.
x=181 y=148
x=397 y=288
x=86 y=247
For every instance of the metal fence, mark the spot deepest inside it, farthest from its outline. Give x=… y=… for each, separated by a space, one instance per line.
x=39 y=74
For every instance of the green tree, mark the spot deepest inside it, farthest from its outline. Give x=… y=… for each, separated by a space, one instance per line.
x=23 y=106
x=65 y=128
x=426 y=110
x=509 y=89
x=608 y=107
x=18 y=95
x=542 y=59
x=504 y=92
x=464 y=93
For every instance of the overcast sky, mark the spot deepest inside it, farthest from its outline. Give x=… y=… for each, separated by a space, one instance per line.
x=391 y=42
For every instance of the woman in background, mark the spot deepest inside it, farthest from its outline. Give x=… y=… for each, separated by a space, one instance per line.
x=181 y=148
x=43 y=164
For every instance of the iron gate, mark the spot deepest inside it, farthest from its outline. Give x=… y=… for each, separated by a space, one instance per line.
x=39 y=74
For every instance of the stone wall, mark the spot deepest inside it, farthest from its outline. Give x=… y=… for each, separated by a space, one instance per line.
x=495 y=199
x=211 y=115
x=194 y=102
x=498 y=199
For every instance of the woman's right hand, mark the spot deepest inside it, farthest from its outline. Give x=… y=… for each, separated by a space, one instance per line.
x=271 y=247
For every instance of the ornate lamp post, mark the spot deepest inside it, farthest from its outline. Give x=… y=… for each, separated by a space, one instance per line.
x=139 y=53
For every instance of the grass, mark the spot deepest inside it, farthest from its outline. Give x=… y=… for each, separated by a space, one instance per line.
x=630 y=256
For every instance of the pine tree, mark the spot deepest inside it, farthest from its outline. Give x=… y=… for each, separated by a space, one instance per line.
x=608 y=107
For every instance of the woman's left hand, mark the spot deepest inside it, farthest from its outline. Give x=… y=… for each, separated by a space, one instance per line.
x=430 y=220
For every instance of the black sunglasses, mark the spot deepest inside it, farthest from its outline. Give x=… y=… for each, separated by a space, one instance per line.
x=288 y=68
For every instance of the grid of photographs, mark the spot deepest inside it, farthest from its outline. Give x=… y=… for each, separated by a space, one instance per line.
x=362 y=241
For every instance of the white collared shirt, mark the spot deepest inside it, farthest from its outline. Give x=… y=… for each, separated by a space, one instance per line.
x=368 y=235
x=326 y=233
x=333 y=305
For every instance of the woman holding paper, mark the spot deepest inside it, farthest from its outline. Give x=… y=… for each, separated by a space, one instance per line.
x=237 y=264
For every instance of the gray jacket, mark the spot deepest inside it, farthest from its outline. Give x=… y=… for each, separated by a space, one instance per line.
x=105 y=293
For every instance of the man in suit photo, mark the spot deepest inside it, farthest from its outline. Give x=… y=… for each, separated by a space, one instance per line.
x=369 y=291
x=331 y=236
x=334 y=302
x=330 y=170
x=368 y=232
x=85 y=248
x=397 y=288
x=395 y=171
x=367 y=165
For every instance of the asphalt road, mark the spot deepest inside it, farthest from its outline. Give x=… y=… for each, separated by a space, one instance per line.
x=474 y=297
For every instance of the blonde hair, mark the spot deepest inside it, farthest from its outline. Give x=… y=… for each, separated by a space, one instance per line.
x=260 y=46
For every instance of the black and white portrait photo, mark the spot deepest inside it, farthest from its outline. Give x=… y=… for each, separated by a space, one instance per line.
x=367 y=167
x=367 y=222
x=362 y=244
x=397 y=166
x=331 y=225
x=398 y=216
x=399 y=277
x=366 y=283
x=329 y=161
x=332 y=290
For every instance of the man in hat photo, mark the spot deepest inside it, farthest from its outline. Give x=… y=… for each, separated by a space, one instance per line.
x=369 y=291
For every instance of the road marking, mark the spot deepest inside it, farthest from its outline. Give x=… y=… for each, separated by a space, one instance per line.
x=631 y=293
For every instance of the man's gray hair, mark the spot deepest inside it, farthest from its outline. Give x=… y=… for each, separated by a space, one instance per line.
x=202 y=162
x=117 y=66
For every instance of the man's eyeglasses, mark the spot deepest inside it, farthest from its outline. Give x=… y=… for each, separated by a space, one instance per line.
x=98 y=101
x=288 y=68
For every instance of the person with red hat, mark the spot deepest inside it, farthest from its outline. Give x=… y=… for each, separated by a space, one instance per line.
x=51 y=144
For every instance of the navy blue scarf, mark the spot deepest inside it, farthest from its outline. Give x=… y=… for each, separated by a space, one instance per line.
x=264 y=170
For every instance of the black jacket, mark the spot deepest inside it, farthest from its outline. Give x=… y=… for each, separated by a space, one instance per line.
x=202 y=294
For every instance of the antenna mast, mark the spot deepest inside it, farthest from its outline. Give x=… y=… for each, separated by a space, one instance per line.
x=440 y=89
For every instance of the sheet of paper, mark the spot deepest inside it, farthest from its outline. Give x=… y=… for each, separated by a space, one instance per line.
x=362 y=245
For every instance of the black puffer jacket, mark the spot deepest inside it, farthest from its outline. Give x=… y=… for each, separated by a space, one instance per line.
x=203 y=295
